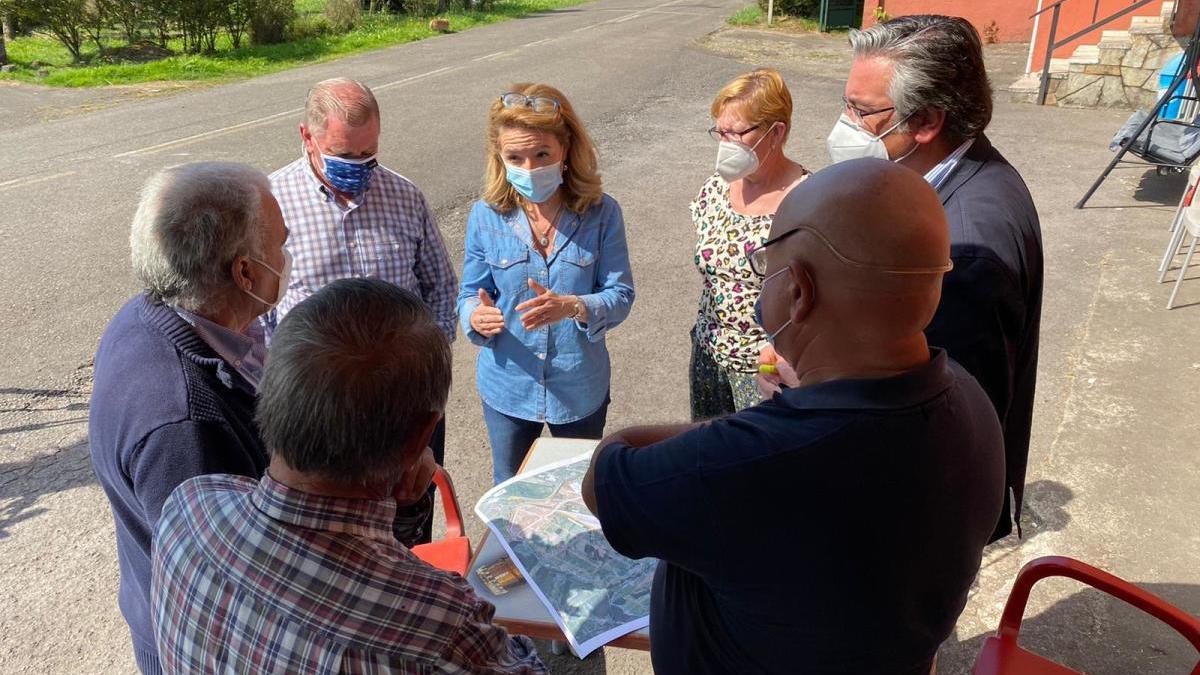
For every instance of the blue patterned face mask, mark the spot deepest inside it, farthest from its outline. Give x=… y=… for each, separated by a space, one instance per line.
x=536 y=185
x=348 y=176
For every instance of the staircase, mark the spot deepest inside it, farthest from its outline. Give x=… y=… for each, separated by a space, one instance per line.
x=1119 y=72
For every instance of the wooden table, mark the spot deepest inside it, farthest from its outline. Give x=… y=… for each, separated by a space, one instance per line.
x=519 y=610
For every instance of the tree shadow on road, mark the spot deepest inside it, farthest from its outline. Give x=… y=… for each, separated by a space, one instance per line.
x=23 y=483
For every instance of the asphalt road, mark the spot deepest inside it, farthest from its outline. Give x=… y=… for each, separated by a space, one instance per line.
x=1113 y=469
x=68 y=187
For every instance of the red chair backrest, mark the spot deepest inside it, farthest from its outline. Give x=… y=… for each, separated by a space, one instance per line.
x=452 y=552
x=1004 y=645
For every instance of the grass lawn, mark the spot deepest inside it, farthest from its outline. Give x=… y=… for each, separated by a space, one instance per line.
x=373 y=32
x=755 y=16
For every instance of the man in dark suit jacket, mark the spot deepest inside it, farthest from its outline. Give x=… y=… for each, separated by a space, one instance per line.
x=918 y=94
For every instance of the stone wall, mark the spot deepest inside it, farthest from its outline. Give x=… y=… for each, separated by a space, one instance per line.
x=1124 y=75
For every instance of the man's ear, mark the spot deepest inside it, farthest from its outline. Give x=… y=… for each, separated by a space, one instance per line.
x=240 y=270
x=804 y=291
x=420 y=440
x=925 y=125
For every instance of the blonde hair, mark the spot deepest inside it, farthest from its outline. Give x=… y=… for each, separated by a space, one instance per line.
x=581 y=175
x=348 y=100
x=760 y=95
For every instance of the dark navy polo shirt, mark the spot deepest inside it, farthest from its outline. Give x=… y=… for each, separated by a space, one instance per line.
x=833 y=529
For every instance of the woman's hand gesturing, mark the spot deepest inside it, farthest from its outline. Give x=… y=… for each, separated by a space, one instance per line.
x=487 y=319
x=547 y=308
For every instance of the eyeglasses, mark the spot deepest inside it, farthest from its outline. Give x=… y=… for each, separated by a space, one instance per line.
x=758 y=257
x=723 y=135
x=859 y=113
x=539 y=104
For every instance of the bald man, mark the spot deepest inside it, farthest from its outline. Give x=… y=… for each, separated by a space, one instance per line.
x=837 y=527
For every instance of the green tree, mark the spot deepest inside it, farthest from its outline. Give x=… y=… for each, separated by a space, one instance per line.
x=64 y=19
x=237 y=19
x=126 y=14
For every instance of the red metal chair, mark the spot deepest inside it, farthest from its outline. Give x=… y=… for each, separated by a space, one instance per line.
x=452 y=552
x=1002 y=656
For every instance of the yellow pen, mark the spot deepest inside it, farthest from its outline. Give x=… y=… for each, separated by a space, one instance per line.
x=768 y=369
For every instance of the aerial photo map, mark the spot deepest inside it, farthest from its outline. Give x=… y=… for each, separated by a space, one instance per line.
x=594 y=593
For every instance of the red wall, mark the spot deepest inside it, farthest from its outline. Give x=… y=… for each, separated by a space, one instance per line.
x=1075 y=16
x=1014 y=25
x=1011 y=16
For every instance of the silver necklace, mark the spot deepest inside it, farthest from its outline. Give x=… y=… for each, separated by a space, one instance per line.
x=544 y=238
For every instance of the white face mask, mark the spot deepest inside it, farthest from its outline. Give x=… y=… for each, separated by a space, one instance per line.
x=850 y=141
x=284 y=275
x=736 y=161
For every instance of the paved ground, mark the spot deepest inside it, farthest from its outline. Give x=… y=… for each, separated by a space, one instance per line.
x=1113 y=470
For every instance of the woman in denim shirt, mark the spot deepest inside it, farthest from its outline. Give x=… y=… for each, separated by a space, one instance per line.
x=545 y=276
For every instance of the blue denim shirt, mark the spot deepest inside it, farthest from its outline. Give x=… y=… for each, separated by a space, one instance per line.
x=558 y=373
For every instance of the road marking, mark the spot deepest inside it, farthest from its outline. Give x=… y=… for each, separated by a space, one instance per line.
x=22 y=182
x=150 y=149
x=205 y=135
x=414 y=78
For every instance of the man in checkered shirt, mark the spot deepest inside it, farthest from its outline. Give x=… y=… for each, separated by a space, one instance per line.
x=298 y=572
x=350 y=217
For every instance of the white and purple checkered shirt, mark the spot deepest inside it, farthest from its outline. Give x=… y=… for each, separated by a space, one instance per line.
x=389 y=234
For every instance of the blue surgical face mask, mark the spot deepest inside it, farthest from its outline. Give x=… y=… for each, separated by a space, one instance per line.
x=758 y=317
x=348 y=176
x=536 y=185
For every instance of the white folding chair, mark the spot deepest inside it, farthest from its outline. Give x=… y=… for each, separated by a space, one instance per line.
x=1177 y=228
x=1191 y=225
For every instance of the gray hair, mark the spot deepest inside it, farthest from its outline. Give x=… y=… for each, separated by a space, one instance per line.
x=355 y=370
x=348 y=100
x=937 y=63
x=191 y=223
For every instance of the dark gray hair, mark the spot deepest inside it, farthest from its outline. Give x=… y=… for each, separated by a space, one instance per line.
x=355 y=370
x=937 y=63
x=191 y=223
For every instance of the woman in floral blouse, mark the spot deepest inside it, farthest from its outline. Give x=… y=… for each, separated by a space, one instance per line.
x=732 y=215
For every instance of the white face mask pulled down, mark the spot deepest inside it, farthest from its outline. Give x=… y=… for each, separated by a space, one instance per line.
x=736 y=160
x=284 y=275
x=850 y=141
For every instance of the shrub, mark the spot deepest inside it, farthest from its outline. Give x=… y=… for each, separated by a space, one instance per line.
x=809 y=9
x=342 y=15
x=308 y=26
x=270 y=21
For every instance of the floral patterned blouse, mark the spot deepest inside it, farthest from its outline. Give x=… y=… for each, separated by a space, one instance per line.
x=725 y=323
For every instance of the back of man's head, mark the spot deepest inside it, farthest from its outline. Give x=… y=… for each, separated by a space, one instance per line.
x=937 y=63
x=192 y=222
x=875 y=245
x=356 y=372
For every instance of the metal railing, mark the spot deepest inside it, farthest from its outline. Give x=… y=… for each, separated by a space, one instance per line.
x=1052 y=44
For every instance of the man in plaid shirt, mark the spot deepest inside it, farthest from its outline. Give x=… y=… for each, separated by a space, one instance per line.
x=350 y=217
x=299 y=572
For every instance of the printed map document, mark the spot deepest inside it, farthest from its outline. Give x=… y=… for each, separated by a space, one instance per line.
x=595 y=594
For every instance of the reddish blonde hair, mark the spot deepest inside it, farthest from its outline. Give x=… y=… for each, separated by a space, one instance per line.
x=581 y=176
x=760 y=96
